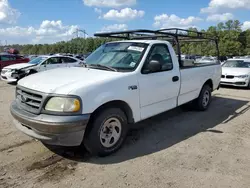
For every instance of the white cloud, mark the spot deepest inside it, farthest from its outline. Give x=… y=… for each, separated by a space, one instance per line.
x=115 y=27
x=46 y=24
x=125 y=14
x=109 y=3
x=7 y=13
x=98 y=11
x=220 y=17
x=220 y=5
x=246 y=25
x=47 y=32
x=165 y=21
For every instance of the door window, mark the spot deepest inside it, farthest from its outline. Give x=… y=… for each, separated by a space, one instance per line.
x=68 y=60
x=160 y=53
x=7 y=58
x=53 y=61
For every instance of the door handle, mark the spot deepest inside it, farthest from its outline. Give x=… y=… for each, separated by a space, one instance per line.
x=175 y=78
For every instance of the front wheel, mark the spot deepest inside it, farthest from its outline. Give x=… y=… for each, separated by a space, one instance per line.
x=32 y=72
x=203 y=101
x=107 y=132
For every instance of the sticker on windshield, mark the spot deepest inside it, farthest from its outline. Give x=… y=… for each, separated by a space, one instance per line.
x=132 y=64
x=136 y=48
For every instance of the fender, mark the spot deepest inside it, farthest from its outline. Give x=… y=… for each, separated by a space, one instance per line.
x=107 y=97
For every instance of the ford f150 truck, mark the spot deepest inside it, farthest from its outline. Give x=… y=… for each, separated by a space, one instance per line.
x=120 y=83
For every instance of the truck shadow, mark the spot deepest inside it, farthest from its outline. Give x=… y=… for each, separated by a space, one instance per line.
x=165 y=130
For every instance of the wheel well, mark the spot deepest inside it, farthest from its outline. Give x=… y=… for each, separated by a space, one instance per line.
x=32 y=71
x=116 y=104
x=210 y=83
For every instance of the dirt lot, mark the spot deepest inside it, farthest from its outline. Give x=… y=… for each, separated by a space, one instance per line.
x=175 y=149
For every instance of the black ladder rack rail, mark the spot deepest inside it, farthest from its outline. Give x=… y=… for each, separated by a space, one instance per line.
x=174 y=35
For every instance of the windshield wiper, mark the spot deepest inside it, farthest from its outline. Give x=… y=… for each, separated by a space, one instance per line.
x=101 y=66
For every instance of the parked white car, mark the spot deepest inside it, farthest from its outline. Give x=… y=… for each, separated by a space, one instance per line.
x=15 y=72
x=121 y=83
x=236 y=72
x=207 y=60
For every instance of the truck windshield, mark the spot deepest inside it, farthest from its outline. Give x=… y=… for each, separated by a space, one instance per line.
x=37 y=60
x=237 y=64
x=118 y=55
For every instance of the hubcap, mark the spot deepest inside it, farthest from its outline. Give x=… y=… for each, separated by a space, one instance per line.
x=110 y=132
x=206 y=98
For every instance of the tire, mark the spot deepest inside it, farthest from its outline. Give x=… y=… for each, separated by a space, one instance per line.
x=32 y=72
x=203 y=101
x=107 y=132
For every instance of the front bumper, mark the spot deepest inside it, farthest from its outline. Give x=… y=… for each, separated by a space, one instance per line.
x=7 y=77
x=238 y=82
x=51 y=129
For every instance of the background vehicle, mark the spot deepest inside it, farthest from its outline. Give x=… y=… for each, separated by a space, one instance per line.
x=15 y=72
x=207 y=60
x=7 y=59
x=236 y=72
x=31 y=57
x=120 y=83
x=82 y=56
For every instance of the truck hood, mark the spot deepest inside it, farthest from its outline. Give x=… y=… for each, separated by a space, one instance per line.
x=64 y=80
x=235 y=71
x=18 y=66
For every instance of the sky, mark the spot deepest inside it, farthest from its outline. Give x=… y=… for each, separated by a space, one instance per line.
x=50 y=21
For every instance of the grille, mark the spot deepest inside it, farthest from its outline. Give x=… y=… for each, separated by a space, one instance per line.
x=29 y=100
x=229 y=83
x=230 y=76
x=240 y=83
x=234 y=83
x=222 y=76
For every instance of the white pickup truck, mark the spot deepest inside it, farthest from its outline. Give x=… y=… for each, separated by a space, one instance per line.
x=121 y=83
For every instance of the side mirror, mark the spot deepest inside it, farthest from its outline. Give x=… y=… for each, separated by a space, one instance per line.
x=152 y=66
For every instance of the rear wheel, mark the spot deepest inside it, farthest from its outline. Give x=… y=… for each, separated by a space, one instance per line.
x=107 y=132
x=203 y=101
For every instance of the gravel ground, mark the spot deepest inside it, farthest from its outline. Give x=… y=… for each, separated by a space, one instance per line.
x=175 y=149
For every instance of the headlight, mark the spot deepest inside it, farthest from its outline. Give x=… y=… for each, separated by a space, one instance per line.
x=6 y=70
x=61 y=104
x=242 y=76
